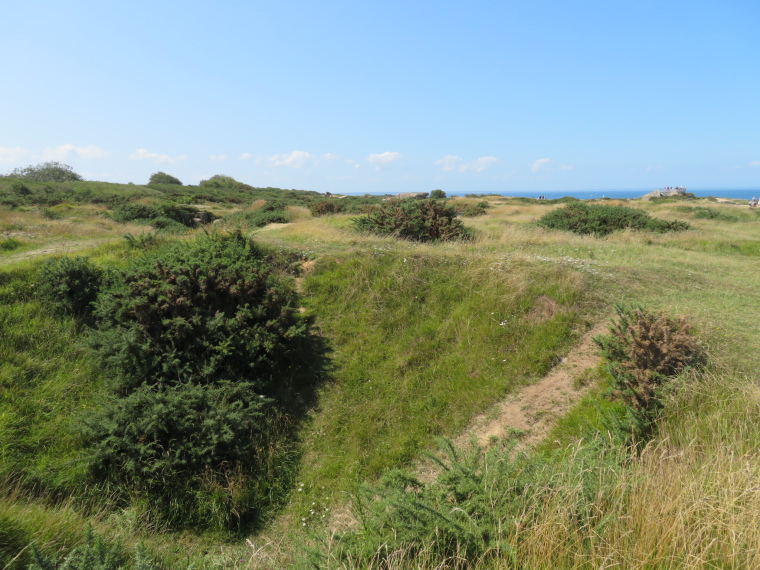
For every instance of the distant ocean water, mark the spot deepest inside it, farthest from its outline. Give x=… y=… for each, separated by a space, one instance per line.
x=739 y=194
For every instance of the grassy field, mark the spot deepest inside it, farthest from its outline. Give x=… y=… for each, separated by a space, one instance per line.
x=422 y=338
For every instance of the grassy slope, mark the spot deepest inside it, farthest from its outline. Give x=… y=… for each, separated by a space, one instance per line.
x=400 y=361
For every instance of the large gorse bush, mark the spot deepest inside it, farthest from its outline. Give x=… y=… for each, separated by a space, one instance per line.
x=418 y=220
x=198 y=342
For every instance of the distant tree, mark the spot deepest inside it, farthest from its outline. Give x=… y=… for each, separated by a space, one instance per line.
x=219 y=181
x=438 y=194
x=163 y=178
x=47 y=172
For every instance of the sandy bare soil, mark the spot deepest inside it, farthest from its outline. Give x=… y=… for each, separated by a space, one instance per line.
x=533 y=410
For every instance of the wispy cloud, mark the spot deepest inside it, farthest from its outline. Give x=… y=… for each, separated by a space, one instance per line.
x=217 y=157
x=246 y=156
x=540 y=164
x=64 y=151
x=12 y=155
x=383 y=159
x=449 y=162
x=754 y=164
x=295 y=159
x=479 y=164
x=452 y=162
x=143 y=154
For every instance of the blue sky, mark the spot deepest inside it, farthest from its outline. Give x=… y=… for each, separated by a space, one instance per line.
x=387 y=97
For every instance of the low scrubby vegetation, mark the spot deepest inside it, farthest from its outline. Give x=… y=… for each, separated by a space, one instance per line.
x=603 y=219
x=483 y=502
x=471 y=210
x=703 y=213
x=418 y=220
x=174 y=392
x=271 y=212
x=167 y=217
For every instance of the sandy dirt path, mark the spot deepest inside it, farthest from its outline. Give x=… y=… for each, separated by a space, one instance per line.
x=64 y=247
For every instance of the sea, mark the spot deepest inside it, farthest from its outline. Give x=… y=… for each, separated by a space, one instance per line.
x=738 y=193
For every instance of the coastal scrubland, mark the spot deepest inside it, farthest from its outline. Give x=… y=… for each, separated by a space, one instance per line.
x=402 y=343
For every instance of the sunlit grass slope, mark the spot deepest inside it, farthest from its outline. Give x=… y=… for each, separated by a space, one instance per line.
x=423 y=340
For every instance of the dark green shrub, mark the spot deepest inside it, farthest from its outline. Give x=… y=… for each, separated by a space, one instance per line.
x=200 y=455
x=20 y=188
x=47 y=172
x=9 y=244
x=163 y=178
x=69 y=284
x=602 y=219
x=419 y=220
x=157 y=215
x=437 y=194
x=643 y=351
x=326 y=207
x=468 y=210
x=51 y=214
x=200 y=343
x=167 y=225
x=197 y=311
x=271 y=212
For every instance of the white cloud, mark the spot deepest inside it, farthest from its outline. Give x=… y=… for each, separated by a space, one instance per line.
x=540 y=164
x=12 y=155
x=452 y=162
x=143 y=154
x=217 y=157
x=448 y=162
x=566 y=167
x=331 y=156
x=246 y=156
x=479 y=165
x=64 y=151
x=383 y=159
x=755 y=164
x=296 y=159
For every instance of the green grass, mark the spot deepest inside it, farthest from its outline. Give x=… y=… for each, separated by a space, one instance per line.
x=421 y=343
x=416 y=352
x=46 y=380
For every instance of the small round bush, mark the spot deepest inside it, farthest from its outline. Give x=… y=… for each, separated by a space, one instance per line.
x=418 y=220
x=69 y=284
x=326 y=207
x=163 y=178
x=438 y=194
